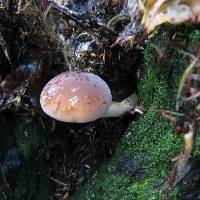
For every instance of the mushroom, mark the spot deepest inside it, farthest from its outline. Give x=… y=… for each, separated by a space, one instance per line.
x=81 y=97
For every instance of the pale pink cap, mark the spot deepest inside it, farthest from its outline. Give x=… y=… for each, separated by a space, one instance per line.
x=76 y=97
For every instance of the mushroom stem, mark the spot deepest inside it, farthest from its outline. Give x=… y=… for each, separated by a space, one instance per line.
x=117 y=109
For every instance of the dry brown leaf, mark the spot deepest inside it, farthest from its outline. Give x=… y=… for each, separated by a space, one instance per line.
x=170 y=11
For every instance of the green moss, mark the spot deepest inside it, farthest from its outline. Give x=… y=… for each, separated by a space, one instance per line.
x=29 y=179
x=194 y=37
x=151 y=136
x=29 y=136
x=31 y=186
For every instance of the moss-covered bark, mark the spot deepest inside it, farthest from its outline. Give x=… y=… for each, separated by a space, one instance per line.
x=141 y=165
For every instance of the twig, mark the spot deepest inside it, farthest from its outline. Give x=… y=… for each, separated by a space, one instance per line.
x=171 y=115
x=187 y=72
x=113 y=20
x=58 y=182
x=86 y=23
x=188 y=54
x=4 y=47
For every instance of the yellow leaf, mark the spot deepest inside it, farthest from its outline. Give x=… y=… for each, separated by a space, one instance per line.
x=169 y=11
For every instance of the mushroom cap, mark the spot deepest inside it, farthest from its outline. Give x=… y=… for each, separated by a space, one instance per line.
x=76 y=97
